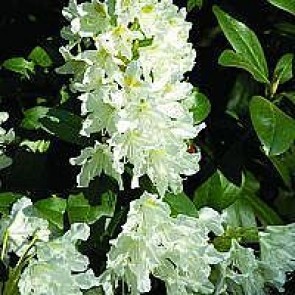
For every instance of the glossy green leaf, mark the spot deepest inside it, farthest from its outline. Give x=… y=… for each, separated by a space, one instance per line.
x=63 y=124
x=19 y=65
x=40 y=57
x=32 y=117
x=265 y=213
x=181 y=204
x=248 y=51
x=283 y=71
x=79 y=209
x=229 y=58
x=285 y=165
x=201 y=108
x=52 y=209
x=217 y=192
x=287 y=5
x=6 y=201
x=191 y=4
x=275 y=129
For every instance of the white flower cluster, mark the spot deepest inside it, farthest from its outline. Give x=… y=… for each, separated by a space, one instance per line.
x=5 y=138
x=176 y=250
x=54 y=265
x=129 y=63
x=21 y=226
x=58 y=267
x=179 y=252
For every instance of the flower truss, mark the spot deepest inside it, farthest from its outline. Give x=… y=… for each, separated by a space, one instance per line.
x=178 y=251
x=129 y=61
x=5 y=138
x=46 y=265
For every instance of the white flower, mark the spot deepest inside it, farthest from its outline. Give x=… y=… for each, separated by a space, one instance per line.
x=277 y=246
x=132 y=87
x=6 y=137
x=94 y=161
x=176 y=250
x=22 y=225
x=58 y=267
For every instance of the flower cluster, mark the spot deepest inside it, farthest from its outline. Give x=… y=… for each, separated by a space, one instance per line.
x=176 y=250
x=5 y=138
x=129 y=61
x=46 y=265
x=58 y=268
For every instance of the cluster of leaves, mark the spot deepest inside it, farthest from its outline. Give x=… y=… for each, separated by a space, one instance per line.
x=260 y=106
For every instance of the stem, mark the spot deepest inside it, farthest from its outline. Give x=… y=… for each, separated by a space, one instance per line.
x=11 y=285
x=4 y=245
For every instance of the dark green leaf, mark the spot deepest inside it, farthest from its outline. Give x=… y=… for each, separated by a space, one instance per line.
x=275 y=129
x=217 y=192
x=19 y=65
x=248 y=51
x=283 y=71
x=64 y=125
x=181 y=204
x=229 y=58
x=201 y=108
x=32 y=117
x=289 y=95
x=6 y=200
x=191 y=4
x=265 y=214
x=79 y=209
x=52 y=209
x=40 y=57
x=287 y=5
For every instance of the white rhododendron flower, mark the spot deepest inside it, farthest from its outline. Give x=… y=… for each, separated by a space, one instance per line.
x=58 y=267
x=5 y=138
x=22 y=225
x=129 y=62
x=277 y=246
x=176 y=250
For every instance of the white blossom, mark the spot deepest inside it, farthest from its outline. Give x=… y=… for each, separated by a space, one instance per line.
x=58 y=267
x=133 y=88
x=176 y=250
x=22 y=225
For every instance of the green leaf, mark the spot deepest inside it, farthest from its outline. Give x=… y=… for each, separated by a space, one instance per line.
x=40 y=57
x=32 y=117
x=63 y=124
x=191 y=4
x=52 y=209
x=248 y=51
x=4 y=161
x=283 y=71
x=275 y=129
x=229 y=58
x=201 y=108
x=217 y=192
x=265 y=214
x=181 y=204
x=79 y=209
x=38 y=146
x=19 y=65
x=285 y=165
x=243 y=90
x=289 y=95
x=287 y=5
x=6 y=200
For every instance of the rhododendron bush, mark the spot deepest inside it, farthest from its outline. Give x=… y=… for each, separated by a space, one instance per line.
x=147 y=147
